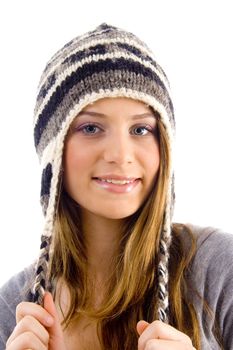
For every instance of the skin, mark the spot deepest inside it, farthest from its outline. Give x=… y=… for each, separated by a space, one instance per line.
x=115 y=143
x=114 y=148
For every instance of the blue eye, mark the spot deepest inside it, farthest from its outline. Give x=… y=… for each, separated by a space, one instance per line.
x=89 y=129
x=141 y=130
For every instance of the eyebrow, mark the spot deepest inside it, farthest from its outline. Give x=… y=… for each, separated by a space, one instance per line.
x=101 y=115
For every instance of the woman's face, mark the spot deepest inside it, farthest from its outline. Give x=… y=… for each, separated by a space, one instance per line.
x=111 y=157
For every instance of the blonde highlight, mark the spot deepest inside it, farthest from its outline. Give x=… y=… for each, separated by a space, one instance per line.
x=131 y=289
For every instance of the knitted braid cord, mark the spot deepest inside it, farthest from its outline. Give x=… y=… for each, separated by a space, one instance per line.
x=105 y=62
x=42 y=267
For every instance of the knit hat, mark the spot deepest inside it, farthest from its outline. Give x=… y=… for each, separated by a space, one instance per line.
x=105 y=62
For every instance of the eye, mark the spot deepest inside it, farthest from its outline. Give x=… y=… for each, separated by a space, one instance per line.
x=89 y=129
x=141 y=130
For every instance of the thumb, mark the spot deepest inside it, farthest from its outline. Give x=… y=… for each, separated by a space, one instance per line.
x=141 y=326
x=56 y=339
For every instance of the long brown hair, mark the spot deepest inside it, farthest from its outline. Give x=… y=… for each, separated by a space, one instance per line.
x=131 y=289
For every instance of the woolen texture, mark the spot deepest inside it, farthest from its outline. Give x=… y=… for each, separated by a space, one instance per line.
x=105 y=62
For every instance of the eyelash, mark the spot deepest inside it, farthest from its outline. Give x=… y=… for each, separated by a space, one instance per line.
x=84 y=127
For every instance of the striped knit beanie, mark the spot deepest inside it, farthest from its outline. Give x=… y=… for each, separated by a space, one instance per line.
x=105 y=62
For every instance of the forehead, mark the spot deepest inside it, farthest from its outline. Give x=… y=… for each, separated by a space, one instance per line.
x=120 y=107
x=118 y=104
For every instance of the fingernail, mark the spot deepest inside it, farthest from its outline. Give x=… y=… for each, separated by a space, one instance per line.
x=49 y=321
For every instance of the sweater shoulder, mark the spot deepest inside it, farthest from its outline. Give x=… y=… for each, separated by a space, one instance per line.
x=214 y=248
x=211 y=280
x=16 y=290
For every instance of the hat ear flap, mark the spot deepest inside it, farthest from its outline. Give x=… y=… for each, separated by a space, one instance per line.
x=45 y=186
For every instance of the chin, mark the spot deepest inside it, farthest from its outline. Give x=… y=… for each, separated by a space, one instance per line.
x=117 y=214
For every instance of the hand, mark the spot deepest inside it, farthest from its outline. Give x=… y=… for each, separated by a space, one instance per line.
x=37 y=328
x=160 y=336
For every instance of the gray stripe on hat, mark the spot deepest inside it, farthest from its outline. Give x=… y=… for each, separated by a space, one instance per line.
x=111 y=41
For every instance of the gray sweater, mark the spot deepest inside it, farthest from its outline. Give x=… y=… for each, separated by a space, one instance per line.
x=211 y=274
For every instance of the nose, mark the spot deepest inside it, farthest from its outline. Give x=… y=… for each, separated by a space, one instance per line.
x=118 y=149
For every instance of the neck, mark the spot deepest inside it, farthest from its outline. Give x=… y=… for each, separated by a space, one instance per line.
x=102 y=238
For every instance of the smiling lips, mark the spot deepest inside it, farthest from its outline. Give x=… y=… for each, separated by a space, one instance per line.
x=117 y=184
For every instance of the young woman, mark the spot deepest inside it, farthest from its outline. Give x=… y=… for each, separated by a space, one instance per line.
x=114 y=272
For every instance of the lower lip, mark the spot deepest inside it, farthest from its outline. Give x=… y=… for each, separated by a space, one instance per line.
x=117 y=188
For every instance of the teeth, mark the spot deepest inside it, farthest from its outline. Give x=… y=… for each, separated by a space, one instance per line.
x=117 y=182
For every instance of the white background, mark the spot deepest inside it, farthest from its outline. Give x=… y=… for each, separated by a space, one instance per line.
x=192 y=40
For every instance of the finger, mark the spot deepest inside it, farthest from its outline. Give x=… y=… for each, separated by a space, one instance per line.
x=160 y=344
x=160 y=330
x=30 y=325
x=55 y=331
x=141 y=326
x=36 y=311
x=26 y=340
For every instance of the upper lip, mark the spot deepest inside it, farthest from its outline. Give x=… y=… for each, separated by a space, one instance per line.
x=116 y=177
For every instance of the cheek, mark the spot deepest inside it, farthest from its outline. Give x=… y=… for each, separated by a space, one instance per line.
x=152 y=160
x=76 y=163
